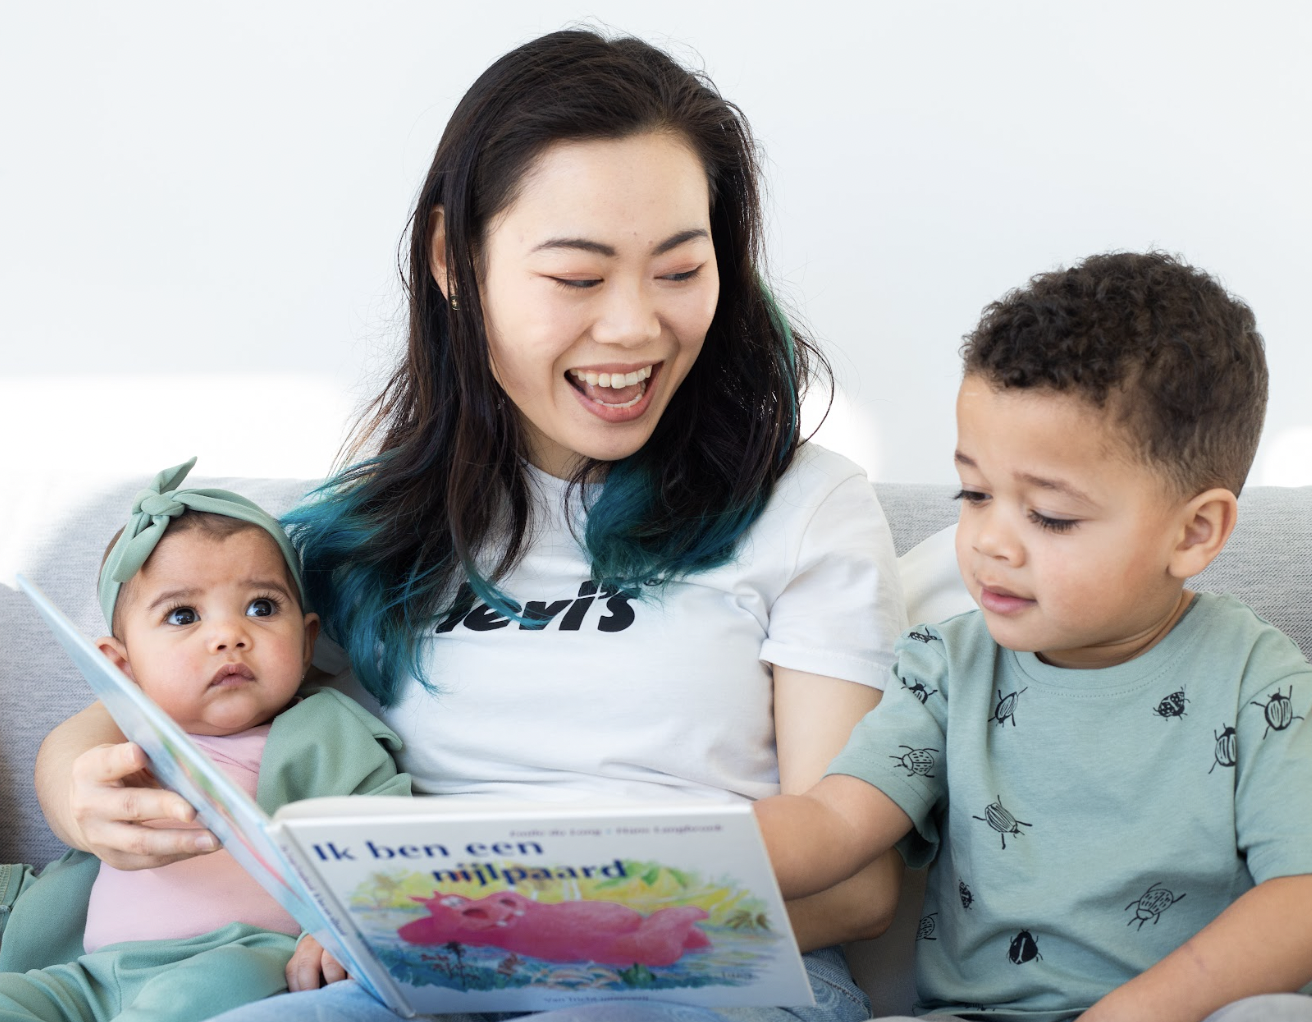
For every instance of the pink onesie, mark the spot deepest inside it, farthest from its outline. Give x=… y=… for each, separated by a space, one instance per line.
x=194 y=896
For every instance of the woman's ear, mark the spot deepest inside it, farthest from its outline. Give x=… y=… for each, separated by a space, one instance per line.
x=437 y=251
x=1206 y=524
x=116 y=653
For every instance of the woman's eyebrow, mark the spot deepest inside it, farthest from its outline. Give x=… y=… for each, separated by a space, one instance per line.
x=587 y=245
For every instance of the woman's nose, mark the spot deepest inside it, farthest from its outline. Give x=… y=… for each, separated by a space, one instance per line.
x=627 y=317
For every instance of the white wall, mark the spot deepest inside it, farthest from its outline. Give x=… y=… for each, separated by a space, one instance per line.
x=200 y=204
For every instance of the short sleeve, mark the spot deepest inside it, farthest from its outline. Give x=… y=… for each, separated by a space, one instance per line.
x=1273 y=760
x=900 y=746
x=840 y=608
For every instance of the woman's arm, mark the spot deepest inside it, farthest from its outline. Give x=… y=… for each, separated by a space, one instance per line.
x=96 y=792
x=813 y=717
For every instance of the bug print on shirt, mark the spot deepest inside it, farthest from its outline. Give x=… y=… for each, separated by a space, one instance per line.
x=1226 y=752
x=916 y=761
x=997 y=817
x=1151 y=905
x=1172 y=705
x=1006 y=708
x=925 y=929
x=919 y=690
x=1279 y=710
x=1023 y=948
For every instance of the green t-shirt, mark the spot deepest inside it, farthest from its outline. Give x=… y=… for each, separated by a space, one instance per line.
x=1082 y=824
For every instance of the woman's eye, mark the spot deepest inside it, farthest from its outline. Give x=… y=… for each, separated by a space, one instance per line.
x=973 y=497
x=1053 y=524
x=262 y=607
x=181 y=616
x=573 y=284
x=682 y=275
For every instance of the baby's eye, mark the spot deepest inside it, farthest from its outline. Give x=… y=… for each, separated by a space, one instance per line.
x=181 y=616
x=971 y=496
x=263 y=607
x=1053 y=524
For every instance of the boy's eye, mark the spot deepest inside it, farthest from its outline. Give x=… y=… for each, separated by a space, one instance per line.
x=263 y=607
x=181 y=616
x=1053 y=524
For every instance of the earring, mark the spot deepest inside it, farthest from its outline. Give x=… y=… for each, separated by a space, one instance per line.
x=454 y=302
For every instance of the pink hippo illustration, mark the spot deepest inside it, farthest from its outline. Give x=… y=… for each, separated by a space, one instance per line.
x=568 y=931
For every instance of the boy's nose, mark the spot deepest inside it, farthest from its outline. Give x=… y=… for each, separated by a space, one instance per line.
x=995 y=538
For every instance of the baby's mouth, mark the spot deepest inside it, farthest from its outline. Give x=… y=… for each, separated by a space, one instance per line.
x=613 y=390
x=232 y=674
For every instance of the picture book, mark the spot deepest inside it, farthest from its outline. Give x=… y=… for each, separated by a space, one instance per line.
x=444 y=904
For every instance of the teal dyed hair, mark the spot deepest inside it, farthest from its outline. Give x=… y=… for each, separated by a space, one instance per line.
x=436 y=481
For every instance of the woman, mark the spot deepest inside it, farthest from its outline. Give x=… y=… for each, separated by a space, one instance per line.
x=582 y=550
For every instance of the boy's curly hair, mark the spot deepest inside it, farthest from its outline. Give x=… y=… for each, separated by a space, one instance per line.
x=1175 y=357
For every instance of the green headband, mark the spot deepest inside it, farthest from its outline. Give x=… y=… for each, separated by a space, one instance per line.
x=152 y=510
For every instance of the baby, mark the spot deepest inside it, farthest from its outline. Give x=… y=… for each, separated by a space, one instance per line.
x=1110 y=776
x=202 y=593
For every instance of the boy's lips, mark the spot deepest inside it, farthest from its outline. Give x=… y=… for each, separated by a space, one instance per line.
x=232 y=674
x=998 y=600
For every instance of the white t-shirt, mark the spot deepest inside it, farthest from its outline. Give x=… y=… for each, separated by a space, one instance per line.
x=669 y=694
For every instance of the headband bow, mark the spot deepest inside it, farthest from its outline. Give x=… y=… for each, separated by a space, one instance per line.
x=155 y=507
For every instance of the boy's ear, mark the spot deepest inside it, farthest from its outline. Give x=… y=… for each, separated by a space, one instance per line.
x=116 y=652
x=311 y=633
x=1206 y=524
x=437 y=264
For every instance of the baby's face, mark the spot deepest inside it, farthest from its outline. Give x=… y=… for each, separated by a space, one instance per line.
x=1064 y=540
x=212 y=631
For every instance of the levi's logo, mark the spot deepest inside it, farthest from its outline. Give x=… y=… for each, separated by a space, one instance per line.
x=599 y=608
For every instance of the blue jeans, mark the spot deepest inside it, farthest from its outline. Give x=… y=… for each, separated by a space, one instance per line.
x=1263 y=1008
x=838 y=999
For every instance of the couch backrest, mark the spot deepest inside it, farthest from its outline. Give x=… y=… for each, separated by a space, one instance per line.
x=55 y=533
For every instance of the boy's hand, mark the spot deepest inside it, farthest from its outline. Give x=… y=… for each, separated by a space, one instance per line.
x=311 y=967
x=112 y=797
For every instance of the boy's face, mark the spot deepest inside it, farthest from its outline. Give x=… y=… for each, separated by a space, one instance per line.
x=212 y=631
x=1064 y=540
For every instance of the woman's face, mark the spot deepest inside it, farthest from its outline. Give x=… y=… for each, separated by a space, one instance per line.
x=599 y=284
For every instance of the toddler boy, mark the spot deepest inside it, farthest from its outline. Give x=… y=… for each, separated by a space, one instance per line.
x=203 y=595
x=1109 y=776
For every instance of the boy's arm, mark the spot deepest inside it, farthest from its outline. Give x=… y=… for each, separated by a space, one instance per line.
x=821 y=838
x=1261 y=944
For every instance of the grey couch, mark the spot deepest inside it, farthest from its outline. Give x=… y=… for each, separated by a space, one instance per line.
x=55 y=530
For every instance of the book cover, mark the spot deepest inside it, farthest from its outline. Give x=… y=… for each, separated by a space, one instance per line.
x=446 y=905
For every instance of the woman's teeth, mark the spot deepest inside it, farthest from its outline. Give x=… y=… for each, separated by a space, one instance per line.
x=612 y=380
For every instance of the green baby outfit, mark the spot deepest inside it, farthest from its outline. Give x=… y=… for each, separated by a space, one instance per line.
x=1082 y=824
x=326 y=744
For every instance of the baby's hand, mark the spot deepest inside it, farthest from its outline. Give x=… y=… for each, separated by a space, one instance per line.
x=112 y=796
x=311 y=966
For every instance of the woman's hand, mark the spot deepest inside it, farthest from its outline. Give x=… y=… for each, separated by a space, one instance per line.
x=98 y=796
x=311 y=967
